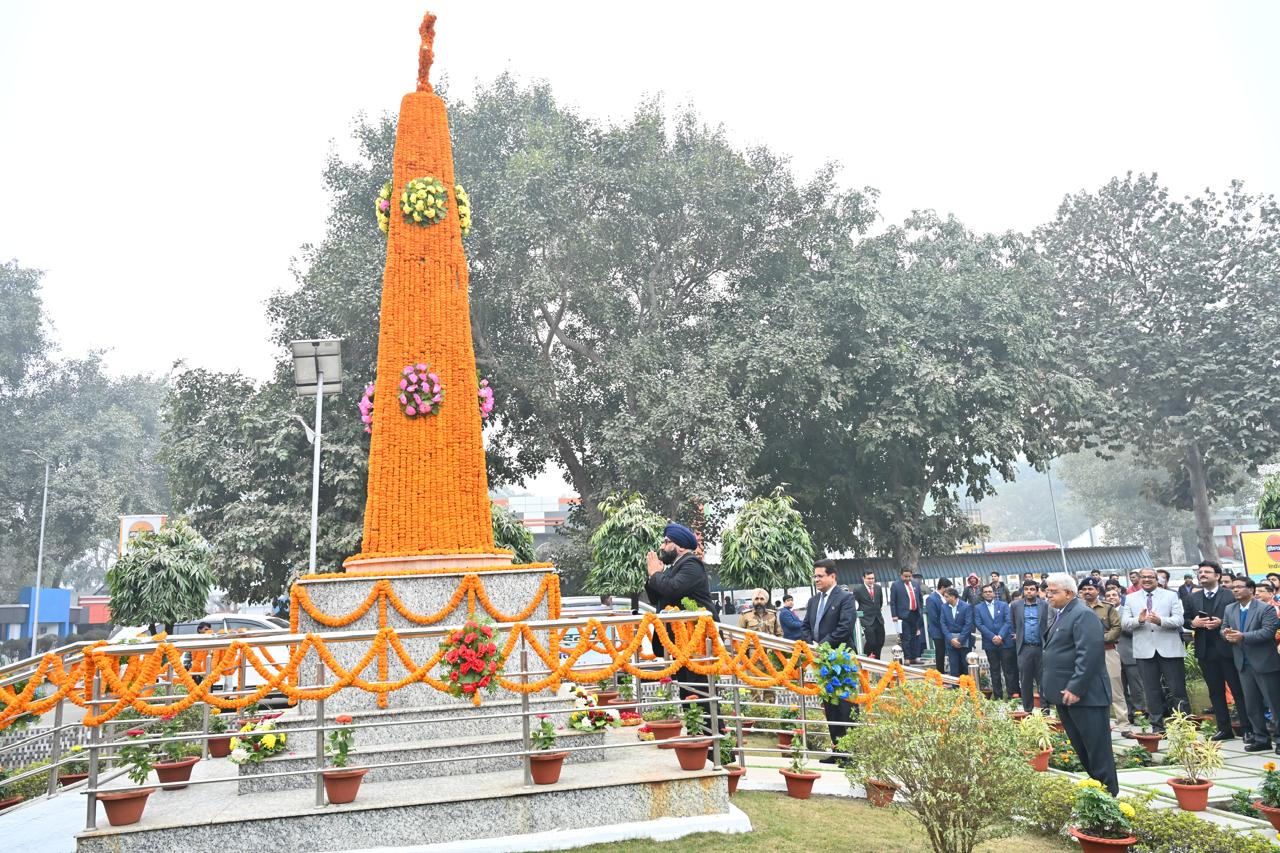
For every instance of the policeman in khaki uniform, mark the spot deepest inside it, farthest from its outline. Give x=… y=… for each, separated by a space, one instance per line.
x=760 y=618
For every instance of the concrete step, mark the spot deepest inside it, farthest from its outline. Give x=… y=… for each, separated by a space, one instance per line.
x=426 y=723
x=475 y=750
x=636 y=785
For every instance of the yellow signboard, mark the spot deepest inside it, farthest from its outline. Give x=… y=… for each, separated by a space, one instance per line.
x=1261 y=549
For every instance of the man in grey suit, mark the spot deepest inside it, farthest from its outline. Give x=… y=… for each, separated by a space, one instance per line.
x=1154 y=616
x=1250 y=627
x=1030 y=616
x=1075 y=678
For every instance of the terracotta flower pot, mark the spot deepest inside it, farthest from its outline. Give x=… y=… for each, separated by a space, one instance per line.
x=12 y=801
x=1040 y=761
x=1270 y=813
x=545 y=767
x=1150 y=742
x=799 y=785
x=1193 y=796
x=71 y=778
x=220 y=747
x=664 y=729
x=1056 y=725
x=175 y=771
x=342 y=785
x=1091 y=844
x=880 y=793
x=693 y=754
x=604 y=697
x=784 y=739
x=1019 y=715
x=735 y=773
x=620 y=701
x=124 y=807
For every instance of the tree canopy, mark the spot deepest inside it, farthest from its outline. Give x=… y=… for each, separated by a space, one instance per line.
x=164 y=579
x=766 y=546
x=1157 y=297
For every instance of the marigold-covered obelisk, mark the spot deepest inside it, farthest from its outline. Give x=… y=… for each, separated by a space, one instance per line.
x=428 y=496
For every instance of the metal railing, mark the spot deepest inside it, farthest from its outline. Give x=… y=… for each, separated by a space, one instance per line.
x=101 y=753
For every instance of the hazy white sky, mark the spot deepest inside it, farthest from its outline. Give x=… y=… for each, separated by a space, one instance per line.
x=161 y=161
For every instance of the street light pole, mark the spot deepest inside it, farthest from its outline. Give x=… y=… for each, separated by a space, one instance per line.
x=315 y=470
x=1062 y=548
x=35 y=599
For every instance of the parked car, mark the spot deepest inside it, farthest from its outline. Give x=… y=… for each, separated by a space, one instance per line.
x=247 y=624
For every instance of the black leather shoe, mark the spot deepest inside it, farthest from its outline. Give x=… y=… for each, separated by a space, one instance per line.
x=1258 y=746
x=1222 y=736
x=830 y=759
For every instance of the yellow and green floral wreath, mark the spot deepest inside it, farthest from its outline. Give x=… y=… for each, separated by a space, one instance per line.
x=424 y=201
x=464 y=208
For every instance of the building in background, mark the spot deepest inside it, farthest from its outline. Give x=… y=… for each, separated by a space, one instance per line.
x=542 y=515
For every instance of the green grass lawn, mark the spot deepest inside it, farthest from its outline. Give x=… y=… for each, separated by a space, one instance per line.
x=821 y=825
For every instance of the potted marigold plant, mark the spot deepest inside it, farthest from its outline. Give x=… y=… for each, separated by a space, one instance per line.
x=175 y=758
x=799 y=778
x=256 y=742
x=693 y=754
x=1100 y=822
x=342 y=783
x=544 y=764
x=729 y=761
x=663 y=717
x=219 y=747
x=125 y=807
x=1198 y=756
x=75 y=768
x=1035 y=736
x=1269 y=805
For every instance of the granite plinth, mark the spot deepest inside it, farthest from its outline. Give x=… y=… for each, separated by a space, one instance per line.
x=634 y=785
x=509 y=592
x=397 y=725
x=475 y=754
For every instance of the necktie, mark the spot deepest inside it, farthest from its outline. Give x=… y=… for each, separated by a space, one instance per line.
x=1244 y=614
x=1150 y=604
x=911 y=597
x=822 y=604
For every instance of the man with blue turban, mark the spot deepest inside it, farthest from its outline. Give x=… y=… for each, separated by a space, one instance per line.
x=676 y=572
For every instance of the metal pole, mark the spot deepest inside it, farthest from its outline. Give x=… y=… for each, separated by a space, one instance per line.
x=319 y=732
x=55 y=748
x=713 y=692
x=95 y=735
x=315 y=468
x=204 y=743
x=35 y=602
x=524 y=714
x=1062 y=549
x=737 y=713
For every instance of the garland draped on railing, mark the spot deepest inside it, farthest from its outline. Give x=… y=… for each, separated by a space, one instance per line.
x=695 y=645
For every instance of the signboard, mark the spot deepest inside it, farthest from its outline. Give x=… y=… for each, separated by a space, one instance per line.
x=1261 y=550
x=132 y=525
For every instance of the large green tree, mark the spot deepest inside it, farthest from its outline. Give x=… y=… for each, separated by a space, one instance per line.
x=164 y=579
x=927 y=371
x=608 y=265
x=1168 y=306
x=101 y=434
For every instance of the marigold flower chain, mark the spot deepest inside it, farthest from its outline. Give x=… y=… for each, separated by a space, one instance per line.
x=134 y=679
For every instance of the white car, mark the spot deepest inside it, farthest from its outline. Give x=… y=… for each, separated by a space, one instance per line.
x=247 y=624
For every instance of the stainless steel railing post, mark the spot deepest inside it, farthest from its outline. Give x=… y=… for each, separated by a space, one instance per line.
x=95 y=735
x=526 y=761
x=55 y=748
x=320 y=737
x=713 y=697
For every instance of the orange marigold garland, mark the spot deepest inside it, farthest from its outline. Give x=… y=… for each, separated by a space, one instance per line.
x=432 y=469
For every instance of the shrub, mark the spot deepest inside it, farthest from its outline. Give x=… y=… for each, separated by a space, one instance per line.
x=1099 y=814
x=1198 y=756
x=961 y=772
x=1064 y=755
x=29 y=788
x=1048 y=808
x=1159 y=830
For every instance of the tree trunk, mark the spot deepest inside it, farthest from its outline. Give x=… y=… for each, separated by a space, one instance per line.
x=1200 y=503
x=906 y=554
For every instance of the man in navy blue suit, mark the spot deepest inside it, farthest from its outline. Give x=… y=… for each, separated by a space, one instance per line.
x=933 y=610
x=829 y=618
x=906 y=606
x=957 y=629
x=995 y=624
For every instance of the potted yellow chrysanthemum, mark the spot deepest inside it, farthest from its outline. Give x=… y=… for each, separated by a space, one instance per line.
x=1099 y=821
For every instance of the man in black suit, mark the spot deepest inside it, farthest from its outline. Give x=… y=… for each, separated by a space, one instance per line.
x=1030 y=615
x=829 y=618
x=906 y=606
x=1075 y=678
x=1214 y=653
x=869 y=600
x=676 y=573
